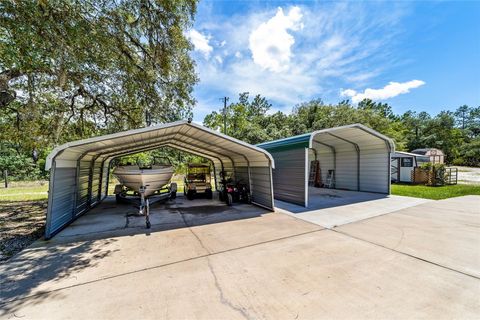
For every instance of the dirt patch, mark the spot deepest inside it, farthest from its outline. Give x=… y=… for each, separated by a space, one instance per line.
x=21 y=223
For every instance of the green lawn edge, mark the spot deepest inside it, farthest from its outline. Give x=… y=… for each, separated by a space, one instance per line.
x=435 y=193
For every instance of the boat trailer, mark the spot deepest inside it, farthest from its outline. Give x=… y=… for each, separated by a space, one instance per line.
x=140 y=201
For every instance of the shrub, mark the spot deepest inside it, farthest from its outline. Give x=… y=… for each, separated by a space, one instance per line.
x=21 y=167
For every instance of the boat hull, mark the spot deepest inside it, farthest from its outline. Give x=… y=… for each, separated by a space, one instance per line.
x=151 y=179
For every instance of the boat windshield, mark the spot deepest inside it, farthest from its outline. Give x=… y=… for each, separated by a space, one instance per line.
x=154 y=163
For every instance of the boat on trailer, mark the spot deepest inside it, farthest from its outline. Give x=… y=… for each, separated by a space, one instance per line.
x=144 y=185
x=153 y=179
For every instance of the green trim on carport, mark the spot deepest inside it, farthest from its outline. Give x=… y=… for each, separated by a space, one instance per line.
x=296 y=142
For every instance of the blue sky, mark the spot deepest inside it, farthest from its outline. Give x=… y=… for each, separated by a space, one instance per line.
x=415 y=55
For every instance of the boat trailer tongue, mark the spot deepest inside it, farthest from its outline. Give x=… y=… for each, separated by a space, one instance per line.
x=144 y=206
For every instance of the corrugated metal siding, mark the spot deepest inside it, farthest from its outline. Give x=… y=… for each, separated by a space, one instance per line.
x=61 y=199
x=289 y=175
x=346 y=171
x=261 y=186
x=94 y=196
x=374 y=170
x=241 y=174
x=374 y=162
x=105 y=179
x=83 y=186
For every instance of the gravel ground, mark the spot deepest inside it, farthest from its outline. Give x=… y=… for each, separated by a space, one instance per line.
x=468 y=175
x=21 y=223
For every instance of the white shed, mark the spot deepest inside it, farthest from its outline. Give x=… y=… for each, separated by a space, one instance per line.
x=352 y=157
x=403 y=164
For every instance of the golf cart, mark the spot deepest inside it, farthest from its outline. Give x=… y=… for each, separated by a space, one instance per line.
x=198 y=181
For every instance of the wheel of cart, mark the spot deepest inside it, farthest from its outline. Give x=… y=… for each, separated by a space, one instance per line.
x=173 y=190
x=229 y=199
x=119 y=193
x=209 y=194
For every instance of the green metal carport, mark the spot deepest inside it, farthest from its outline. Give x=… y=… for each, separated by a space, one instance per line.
x=359 y=157
x=79 y=170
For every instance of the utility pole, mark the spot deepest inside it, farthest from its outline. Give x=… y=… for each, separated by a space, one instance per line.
x=224 y=99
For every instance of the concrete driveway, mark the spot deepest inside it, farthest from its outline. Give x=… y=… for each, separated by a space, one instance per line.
x=211 y=263
x=331 y=207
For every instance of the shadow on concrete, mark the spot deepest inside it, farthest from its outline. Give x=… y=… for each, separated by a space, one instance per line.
x=83 y=243
x=40 y=263
x=322 y=198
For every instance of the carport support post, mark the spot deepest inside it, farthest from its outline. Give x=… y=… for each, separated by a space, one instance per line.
x=75 y=189
x=215 y=176
x=48 y=221
x=249 y=179
x=307 y=169
x=108 y=178
x=100 y=186
x=90 y=180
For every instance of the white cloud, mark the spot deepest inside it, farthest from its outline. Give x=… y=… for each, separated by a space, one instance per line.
x=219 y=59
x=391 y=90
x=271 y=44
x=200 y=42
x=329 y=50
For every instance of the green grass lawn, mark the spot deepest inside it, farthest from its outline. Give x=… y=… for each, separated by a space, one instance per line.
x=435 y=193
x=25 y=191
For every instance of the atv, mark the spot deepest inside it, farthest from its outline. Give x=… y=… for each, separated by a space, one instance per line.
x=234 y=192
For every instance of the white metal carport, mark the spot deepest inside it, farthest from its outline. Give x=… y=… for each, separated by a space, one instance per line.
x=359 y=157
x=79 y=170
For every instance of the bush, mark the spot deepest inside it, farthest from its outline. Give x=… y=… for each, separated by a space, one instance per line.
x=458 y=162
x=436 y=173
x=470 y=153
x=21 y=167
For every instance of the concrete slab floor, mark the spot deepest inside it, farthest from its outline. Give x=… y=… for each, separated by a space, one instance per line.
x=241 y=263
x=445 y=232
x=330 y=207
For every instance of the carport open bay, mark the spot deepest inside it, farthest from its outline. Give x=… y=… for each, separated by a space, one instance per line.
x=200 y=260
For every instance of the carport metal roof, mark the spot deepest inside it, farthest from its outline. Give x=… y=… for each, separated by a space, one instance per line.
x=182 y=135
x=356 y=134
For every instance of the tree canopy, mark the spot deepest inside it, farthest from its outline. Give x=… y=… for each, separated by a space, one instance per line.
x=72 y=69
x=456 y=133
